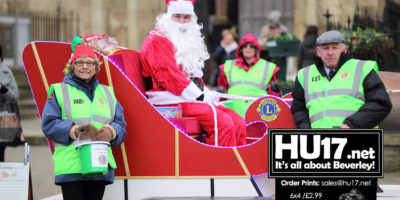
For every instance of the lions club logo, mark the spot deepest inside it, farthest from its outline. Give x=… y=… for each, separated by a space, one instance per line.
x=102 y=159
x=344 y=75
x=268 y=109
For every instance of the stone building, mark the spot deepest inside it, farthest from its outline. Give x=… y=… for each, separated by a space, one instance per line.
x=130 y=20
x=22 y=21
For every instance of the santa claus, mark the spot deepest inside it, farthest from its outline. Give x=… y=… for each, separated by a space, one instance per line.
x=173 y=56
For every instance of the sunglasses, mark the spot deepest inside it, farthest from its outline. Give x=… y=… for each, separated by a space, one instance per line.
x=249 y=45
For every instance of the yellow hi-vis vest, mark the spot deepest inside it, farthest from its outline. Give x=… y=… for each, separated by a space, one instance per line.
x=249 y=83
x=76 y=107
x=329 y=103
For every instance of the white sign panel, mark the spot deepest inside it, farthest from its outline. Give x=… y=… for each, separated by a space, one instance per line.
x=14 y=180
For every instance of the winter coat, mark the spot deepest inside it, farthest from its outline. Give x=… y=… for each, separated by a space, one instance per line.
x=307 y=51
x=240 y=62
x=58 y=130
x=220 y=55
x=377 y=102
x=9 y=89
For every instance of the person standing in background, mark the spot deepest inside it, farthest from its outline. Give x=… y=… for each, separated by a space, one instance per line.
x=8 y=91
x=248 y=74
x=274 y=23
x=226 y=51
x=307 y=48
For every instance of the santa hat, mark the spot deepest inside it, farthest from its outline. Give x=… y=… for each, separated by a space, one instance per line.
x=83 y=50
x=180 y=7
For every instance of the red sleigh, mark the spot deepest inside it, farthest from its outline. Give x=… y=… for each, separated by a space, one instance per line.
x=154 y=146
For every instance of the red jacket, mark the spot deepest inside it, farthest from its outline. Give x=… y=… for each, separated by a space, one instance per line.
x=222 y=80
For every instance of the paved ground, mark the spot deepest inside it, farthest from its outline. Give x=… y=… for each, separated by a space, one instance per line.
x=42 y=166
x=42 y=169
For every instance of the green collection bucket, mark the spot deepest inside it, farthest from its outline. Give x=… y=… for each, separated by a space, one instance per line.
x=94 y=158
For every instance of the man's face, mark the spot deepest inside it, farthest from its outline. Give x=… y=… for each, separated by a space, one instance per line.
x=182 y=18
x=330 y=53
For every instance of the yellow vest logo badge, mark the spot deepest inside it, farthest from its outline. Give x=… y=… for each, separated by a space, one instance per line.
x=102 y=102
x=344 y=75
x=257 y=71
x=268 y=109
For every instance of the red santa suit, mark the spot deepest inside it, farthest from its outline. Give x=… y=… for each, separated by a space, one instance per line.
x=172 y=86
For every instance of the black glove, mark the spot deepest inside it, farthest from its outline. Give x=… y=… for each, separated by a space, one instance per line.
x=198 y=83
x=200 y=98
x=275 y=86
x=3 y=89
x=220 y=90
x=207 y=97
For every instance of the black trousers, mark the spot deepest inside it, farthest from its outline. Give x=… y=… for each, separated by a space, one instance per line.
x=83 y=190
x=2 y=152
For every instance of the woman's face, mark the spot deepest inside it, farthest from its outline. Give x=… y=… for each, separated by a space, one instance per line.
x=228 y=39
x=85 y=68
x=249 y=51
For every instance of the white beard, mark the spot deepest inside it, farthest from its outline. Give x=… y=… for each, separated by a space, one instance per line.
x=190 y=49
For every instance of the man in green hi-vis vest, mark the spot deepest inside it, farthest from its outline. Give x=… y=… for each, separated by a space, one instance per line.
x=338 y=91
x=80 y=109
x=248 y=75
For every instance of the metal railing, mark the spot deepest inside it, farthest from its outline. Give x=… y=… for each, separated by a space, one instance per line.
x=53 y=25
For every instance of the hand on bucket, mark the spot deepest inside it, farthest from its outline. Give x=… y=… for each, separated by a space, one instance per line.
x=86 y=131
x=103 y=134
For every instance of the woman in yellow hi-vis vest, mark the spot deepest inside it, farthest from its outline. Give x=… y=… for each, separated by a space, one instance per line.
x=248 y=74
x=338 y=91
x=80 y=108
